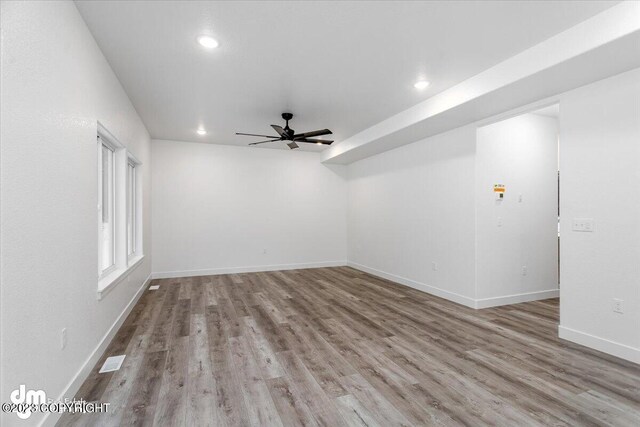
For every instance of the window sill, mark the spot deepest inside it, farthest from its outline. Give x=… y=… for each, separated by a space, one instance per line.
x=107 y=283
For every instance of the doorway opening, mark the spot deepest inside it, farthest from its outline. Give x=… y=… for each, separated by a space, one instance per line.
x=517 y=209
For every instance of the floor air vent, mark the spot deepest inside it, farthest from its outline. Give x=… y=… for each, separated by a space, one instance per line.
x=112 y=363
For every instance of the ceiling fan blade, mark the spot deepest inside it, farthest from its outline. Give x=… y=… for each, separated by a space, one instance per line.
x=315 y=141
x=253 y=134
x=280 y=131
x=313 y=133
x=262 y=142
x=292 y=145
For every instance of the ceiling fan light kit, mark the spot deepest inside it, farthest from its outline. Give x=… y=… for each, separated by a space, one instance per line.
x=289 y=136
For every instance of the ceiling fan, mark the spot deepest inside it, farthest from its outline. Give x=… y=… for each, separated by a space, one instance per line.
x=289 y=135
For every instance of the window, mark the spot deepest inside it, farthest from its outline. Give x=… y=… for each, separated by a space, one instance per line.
x=119 y=218
x=131 y=209
x=106 y=207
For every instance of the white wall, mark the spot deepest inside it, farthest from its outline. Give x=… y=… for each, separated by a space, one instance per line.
x=413 y=206
x=521 y=229
x=599 y=163
x=56 y=85
x=217 y=208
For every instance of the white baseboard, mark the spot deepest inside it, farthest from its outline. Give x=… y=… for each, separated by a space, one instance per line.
x=460 y=299
x=610 y=347
x=517 y=298
x=72 y=388
x=451 y=296
x=251 y=269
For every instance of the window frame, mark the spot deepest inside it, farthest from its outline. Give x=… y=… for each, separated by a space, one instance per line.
x=134 y=247
x=112 y=209
x=124 y=262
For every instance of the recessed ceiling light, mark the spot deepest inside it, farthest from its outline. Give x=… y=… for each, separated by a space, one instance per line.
x=201 y=132
x=208 y=42
x=422 y=84
x=318 y=143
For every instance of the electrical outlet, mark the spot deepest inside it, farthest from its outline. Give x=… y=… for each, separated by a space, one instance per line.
x=63 y=338
x=618 y=306
x=434 y=266
x=264 y=251
x=499 y=221
x=524 y=270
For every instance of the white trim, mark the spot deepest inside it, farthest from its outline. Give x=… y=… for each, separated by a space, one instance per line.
x=108 y=137
x=250 y=269
x=50 y=419
x=611 y=347
x=132 y=159
x=517 y=298
x=112 y=143
x=132 y=208
x=457 y=298
x=104 y=143
x=451 y=296
x=123 y=261
x=109 y=282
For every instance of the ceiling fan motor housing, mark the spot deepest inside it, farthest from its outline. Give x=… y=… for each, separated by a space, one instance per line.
x=287 y=117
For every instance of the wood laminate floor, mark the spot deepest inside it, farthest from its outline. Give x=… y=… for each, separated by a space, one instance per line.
x=335 y=346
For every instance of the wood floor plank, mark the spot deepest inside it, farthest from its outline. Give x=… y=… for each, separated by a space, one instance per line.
x=293 y=412
x=339 y=347
x=324 y=350
x=354 y=413
x=171 y=405
x=119 y=390
x=383 y=412
x=235 y=296
x=209 y=292
x=322 y=408
x=201 y=404
x=182 y=321
x=229 y=401
x=185 y=288
x=198 y=299
x=317 y=366
x=264 y=354
x=261 y=409
x=269 y=328
x=160 y=336
x=270 y=306
x=140 y=409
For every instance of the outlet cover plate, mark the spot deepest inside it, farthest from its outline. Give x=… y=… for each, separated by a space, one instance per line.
x=618 y=306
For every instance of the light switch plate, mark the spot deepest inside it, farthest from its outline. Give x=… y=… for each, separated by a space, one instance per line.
x=583 y=225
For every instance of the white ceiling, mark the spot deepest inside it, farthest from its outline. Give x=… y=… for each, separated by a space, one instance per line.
x=340 y=65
